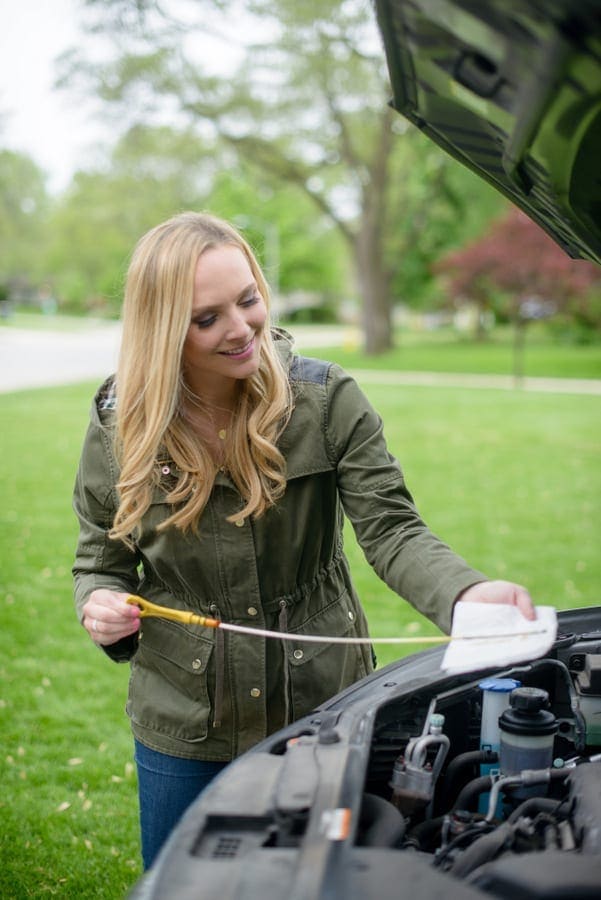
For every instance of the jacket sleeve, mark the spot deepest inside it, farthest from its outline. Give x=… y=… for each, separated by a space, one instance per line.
x=396 y=541
x=99 y=561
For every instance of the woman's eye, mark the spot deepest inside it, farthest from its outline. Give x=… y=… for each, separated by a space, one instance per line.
x=250 y=301
x=205 y=323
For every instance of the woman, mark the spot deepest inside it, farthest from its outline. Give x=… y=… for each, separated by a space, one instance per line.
x=213 y=478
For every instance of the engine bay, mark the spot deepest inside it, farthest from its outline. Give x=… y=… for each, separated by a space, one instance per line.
x=497 y=781
x=414 y=783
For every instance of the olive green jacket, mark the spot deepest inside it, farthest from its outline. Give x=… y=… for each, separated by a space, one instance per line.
x=199 y=693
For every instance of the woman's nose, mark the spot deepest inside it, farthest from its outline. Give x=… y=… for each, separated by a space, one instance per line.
x=237 y=325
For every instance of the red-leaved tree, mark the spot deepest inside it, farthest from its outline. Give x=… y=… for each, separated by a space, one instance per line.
x=516 y=259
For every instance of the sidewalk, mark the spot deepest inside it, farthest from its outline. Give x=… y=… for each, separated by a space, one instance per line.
x=32 y=359
x=498 y=382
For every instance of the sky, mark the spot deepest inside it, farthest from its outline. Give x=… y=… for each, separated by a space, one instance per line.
x=50 y=126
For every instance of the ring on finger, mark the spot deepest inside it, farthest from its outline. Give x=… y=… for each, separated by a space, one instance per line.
x=94 y=624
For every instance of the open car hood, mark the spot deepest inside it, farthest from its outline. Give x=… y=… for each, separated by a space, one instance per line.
x=512 y=89
x=382 y=793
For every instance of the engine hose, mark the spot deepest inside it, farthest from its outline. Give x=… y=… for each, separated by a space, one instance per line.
x=381 y=824
x=424 y=832
x=527 y=778
x=532 y=806
x=458 y=765
x=469 y=794
x=472 y=790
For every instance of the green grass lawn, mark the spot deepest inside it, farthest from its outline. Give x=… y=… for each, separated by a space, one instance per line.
x=448 y=351
x=510 y=479
x=68 y=804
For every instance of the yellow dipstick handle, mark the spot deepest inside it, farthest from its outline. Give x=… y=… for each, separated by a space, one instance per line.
x=175 y=615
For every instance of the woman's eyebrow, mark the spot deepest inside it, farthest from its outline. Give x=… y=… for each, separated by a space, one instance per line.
x=244 y=293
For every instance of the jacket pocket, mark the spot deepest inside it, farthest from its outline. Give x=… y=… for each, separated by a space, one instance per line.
x=320 y=670
x=168 y=691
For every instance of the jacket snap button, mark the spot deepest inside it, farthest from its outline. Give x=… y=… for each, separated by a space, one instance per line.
x=251 y=611
x=351 y=616
x=240 y=523
x=166 y=470
x=298 y=654
x=196 y=664
x=255 y=692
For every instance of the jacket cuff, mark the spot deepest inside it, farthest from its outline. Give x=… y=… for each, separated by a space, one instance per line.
x=123 y=650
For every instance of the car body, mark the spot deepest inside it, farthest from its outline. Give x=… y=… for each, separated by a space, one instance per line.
x=358 y=800
x=331 y=807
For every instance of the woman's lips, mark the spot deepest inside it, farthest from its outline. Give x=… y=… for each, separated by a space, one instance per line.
x=241 y=353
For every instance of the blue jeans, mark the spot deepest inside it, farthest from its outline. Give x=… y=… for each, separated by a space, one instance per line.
x=167 y=785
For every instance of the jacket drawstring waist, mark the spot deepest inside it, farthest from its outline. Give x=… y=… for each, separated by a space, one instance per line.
x=283 y=626
x=219 y=669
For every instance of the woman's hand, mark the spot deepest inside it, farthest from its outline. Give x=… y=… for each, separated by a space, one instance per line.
x=500 y=592
x=108 y=618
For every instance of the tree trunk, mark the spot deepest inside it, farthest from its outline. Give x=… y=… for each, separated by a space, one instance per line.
x=374 y=286
x=519 y=342
x=373 y=275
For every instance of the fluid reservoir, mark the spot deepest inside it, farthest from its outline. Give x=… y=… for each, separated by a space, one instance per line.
x=527 y=730
x=495 y=699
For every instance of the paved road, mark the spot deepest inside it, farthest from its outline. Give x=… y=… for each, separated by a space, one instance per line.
x=31 y=359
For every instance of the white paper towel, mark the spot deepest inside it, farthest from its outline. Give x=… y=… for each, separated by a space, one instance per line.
x=496 y=634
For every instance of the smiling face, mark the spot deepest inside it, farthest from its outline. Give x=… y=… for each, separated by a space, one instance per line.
x=228 y=316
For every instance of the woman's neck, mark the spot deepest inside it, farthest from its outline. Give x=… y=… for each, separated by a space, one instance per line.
x=209 y=417
x=220 y=396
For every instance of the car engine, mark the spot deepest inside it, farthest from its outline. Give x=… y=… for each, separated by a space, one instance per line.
x=413 y=784
x=497 y=782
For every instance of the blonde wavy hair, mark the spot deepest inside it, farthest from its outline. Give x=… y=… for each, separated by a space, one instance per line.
x=150 y=422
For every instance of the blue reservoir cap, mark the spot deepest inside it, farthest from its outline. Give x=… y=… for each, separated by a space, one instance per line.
x=500 y=685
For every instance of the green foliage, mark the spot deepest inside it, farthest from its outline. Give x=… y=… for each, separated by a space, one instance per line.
x=579 y=322
x=23 y=215
x=153 y=174
x=299 y=250
x=81 y=242
x=439 y=205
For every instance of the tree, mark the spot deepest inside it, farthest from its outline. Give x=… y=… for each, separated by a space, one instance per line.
x=23 y=212
x=299 y=250
x=518 y=264
x=306 y=104
x=517 y=257
x=151 y=173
